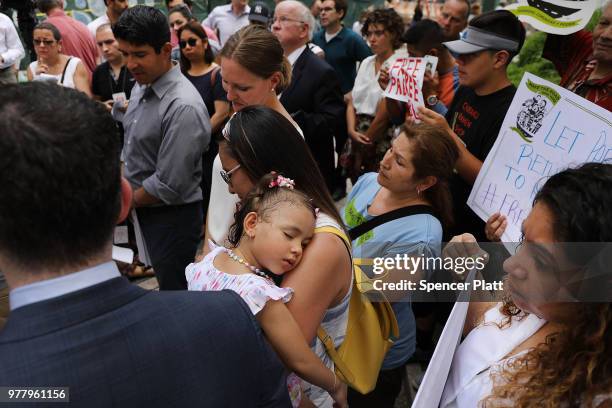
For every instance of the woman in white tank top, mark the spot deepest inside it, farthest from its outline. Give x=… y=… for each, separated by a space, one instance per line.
x=54 y=66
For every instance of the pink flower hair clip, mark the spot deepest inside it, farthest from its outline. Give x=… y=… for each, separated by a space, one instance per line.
x=317 y=212
x=281 y=181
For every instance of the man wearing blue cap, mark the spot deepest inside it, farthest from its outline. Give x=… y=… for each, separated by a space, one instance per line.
x=477 y=111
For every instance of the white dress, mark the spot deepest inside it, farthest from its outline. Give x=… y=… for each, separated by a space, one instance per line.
x=482 y=351
x=68 y=76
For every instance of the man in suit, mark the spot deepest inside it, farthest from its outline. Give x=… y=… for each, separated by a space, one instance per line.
x=313 y=98
x=74 y=321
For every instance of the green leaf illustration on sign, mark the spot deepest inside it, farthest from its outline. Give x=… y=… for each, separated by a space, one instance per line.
x=520 y=133
x=544 y=90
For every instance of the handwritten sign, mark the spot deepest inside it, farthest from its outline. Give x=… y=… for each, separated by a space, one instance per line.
x=406 y=80
x=546 y=130
x=555 y=16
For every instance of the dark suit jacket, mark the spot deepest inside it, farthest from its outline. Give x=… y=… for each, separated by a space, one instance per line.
x=117 y=345
x=314 y=100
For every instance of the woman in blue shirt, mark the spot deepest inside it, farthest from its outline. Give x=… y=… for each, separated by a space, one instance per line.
x=414 y=171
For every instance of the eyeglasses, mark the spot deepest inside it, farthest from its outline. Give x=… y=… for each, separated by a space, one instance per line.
x=47 y=43
x=227 y=175
x=284 y=19
x=327 y=9
x=192 y=43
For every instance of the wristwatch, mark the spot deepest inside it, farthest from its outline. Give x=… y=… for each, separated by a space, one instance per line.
x=432 y=100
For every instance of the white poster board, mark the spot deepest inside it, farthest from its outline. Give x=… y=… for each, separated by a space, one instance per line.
x=406 y=80
x=546 y=130
x=431 y=388
x=555 y=16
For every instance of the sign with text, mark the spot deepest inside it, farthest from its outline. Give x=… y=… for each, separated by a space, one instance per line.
x=555 y=16
x=406 y=80
x=546 y=130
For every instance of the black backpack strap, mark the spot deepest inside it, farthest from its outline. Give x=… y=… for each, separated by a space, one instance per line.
x=361 y=229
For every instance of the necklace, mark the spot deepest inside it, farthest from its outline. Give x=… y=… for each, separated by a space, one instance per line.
x=240 y=260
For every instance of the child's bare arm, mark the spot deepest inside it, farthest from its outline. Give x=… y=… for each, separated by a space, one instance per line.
x=287 y=339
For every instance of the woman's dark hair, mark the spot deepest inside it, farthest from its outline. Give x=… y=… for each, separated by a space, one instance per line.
x=183 y=10
x=260 y=52
x=196 y=29
x=48 y=26
x=262 y=140
x=503 y=23
x=262 y=199
x=434 y=153
x=143 y=25
x=390 y=20
x=579 y=201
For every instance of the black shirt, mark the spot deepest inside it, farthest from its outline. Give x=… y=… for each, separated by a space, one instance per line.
x=210 y=92
x=104 y=85
x=477 y=121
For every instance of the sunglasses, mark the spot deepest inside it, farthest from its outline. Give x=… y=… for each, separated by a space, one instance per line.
x=192 y=43
x=47 y=43
x=227 y=175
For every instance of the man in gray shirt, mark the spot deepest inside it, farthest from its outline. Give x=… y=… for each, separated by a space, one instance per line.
x=167 y=128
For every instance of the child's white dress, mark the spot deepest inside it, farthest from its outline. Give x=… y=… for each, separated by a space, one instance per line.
x=253 y=289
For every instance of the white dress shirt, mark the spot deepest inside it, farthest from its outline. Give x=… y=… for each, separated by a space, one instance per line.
x=54 y=287
x=11 y=49
x=94 y=25
x=223 y=20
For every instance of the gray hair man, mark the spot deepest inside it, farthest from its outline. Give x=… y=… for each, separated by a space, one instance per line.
x=313 y=98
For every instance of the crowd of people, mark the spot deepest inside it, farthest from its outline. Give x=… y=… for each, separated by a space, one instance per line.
x=228 y=144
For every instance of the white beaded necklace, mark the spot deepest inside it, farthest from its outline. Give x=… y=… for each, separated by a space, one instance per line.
x=240 y=260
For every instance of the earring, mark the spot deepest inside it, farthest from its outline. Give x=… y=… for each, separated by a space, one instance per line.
x=418 y=191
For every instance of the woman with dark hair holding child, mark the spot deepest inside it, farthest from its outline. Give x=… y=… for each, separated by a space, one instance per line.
x=272 y=228
x=258 y=140
x=412 y=182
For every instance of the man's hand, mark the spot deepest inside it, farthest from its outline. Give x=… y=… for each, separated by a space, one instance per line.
x=434 y=119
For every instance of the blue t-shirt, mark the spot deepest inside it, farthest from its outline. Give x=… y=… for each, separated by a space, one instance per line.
x=343 y=52
x=419 y=234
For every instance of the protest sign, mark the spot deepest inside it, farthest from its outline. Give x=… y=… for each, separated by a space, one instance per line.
x=406 y=80
x=555 y=16
x=431 y=388
x=546 y=130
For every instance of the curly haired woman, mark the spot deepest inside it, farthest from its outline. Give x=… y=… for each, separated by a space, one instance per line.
x=549 y=344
